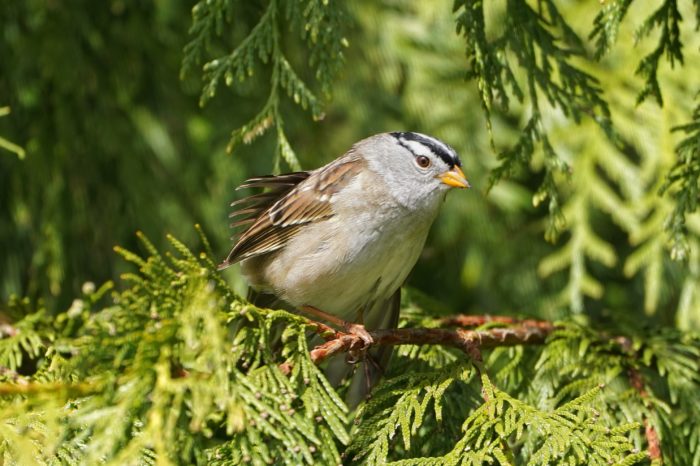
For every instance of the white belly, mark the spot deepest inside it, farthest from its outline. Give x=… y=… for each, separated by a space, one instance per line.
x=341 y=270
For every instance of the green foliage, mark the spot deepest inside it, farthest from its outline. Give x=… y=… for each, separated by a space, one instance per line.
x=176 y=369
x=556 y=57
x=582 y=391
x=175 y=361
x=667 y=18
x=8 y=145
x=540 y=41
x=319 y=25
x=151 y=160
x=606 y=25
x=94 y=100
x=400 y=407
x=569 y=434
x=683 y=181
x=23 y=339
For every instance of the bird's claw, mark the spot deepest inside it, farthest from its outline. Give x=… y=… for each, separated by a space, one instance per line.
x=359 y=348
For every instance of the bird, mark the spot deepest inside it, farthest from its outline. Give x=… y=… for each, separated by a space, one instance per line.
x=339 y=241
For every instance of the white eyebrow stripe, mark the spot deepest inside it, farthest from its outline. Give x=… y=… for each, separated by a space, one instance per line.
x=417 y=148
x=438 y=142
x=412 y=142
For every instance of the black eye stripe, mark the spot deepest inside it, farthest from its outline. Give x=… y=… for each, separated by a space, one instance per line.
x=445 y=152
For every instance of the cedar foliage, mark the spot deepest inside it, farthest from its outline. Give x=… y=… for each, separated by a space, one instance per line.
x=178 y=369
x=172 y=366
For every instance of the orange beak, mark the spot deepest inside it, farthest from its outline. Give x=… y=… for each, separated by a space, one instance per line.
x=455 y=178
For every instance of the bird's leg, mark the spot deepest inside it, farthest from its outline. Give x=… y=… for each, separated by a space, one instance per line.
x=316 y=312
x=357 y=353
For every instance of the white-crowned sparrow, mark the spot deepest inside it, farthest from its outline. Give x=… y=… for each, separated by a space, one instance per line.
x=342 y=238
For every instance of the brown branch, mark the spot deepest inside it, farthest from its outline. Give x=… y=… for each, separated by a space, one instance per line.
x=636 y=380
x=654 y=450
x=528 y=332
x=517 y=332
x=7 y=330
x=465 y=320
x=654 y=442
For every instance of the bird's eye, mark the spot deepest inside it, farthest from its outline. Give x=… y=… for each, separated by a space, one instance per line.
x=423 y=161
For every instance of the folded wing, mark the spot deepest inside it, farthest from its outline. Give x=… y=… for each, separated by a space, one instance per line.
x=292 y=200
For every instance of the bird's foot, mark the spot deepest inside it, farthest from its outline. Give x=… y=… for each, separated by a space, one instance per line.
x=358 y=350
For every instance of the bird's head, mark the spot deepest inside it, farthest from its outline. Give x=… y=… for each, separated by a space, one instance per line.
x=418 y=168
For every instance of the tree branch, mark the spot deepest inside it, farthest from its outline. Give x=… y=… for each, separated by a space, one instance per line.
x=464 y=320
x=521 y=332
x=637 y=382
x=653 y=441
x=517 y=332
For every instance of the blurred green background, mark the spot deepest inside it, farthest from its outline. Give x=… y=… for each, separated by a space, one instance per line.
x=115 y=141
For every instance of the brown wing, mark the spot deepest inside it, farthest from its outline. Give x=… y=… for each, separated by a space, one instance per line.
x=294 y=200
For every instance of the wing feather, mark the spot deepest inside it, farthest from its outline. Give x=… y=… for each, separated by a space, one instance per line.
x=294 y=200
x=256 y=199
x=288 y=179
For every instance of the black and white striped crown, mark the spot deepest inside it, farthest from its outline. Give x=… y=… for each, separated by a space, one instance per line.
x=418 y=144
